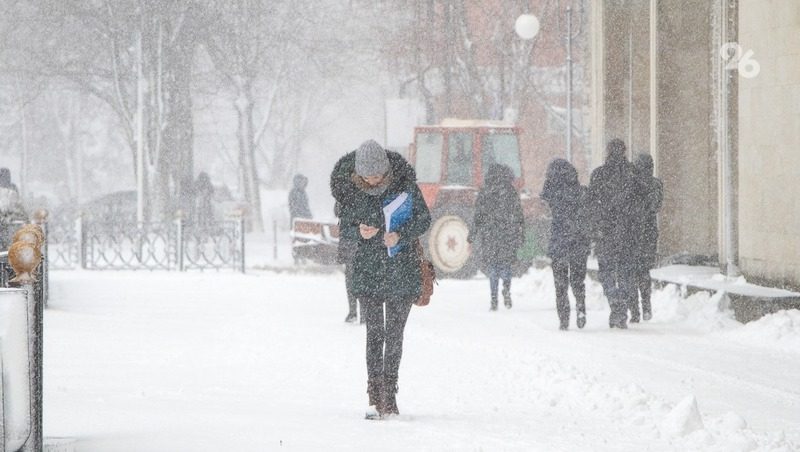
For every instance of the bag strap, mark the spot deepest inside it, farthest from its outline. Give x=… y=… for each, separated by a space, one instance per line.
x=420 y=250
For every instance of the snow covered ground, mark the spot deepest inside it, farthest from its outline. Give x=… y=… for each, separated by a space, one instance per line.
x=221 y=361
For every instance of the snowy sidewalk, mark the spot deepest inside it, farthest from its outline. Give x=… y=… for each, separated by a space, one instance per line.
x=193 y=362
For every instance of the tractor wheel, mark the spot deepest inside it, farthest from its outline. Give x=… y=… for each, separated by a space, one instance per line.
x=449 y=250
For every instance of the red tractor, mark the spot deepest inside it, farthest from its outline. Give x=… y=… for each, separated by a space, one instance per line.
x=450 y=160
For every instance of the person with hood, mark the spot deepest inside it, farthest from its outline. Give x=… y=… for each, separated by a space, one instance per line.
x=11 y=208
x=649 y=196
x=498 y=227
x=613 y=208
x=363 y=182
x=298 y=199
x=345 y=253
x=569 y=244
x=204 y=198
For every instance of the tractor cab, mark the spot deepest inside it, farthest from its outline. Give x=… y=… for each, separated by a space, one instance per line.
x=450 y=160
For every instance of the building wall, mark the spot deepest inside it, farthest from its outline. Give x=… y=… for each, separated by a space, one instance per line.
x=671 y=78
x=769 y=142
x=686 y=154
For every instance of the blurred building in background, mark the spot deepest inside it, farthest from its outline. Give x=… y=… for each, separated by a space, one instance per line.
x=677 y=78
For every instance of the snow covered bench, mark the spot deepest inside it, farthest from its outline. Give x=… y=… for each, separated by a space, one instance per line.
x=749 y=301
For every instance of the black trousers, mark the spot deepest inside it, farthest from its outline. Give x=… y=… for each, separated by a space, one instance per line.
x=385 y=336
x=569 y=271
x=643 y=284
x=617 y=275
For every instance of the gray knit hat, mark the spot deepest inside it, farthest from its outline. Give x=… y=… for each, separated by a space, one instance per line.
x=371 y=159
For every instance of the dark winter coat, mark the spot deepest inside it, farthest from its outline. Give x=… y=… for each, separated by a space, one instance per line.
x=11 y=208
x=298 y=199
x=498 y=225
x=649 y=197
x=375 y=274
x=204 y=196
x=568 y=199
x=613 y=206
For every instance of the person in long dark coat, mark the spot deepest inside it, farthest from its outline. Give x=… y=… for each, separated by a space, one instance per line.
x=569 y=244
x=11 y=208
x=499 y=228
x=613 y=207
x=363 y=182
x=204 y=197
x=298 y=199
x=649 y=197
x=345 y=254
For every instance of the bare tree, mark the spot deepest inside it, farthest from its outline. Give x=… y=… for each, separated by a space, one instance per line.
x=465 y=58
x=137 y=56
x=273 y=57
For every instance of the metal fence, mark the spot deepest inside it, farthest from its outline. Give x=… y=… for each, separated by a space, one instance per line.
x=176 y=245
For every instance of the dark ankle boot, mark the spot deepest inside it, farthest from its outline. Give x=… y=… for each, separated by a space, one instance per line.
x=375 y=394
x=493 y=306
x=374 y=386
x=507 y=296
x=389 y=404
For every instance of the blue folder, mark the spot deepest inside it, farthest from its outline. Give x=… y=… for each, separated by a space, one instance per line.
x=397 y=212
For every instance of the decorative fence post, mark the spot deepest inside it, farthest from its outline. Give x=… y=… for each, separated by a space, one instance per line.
x=241 y=237
x=81 y=235
x=179 y=248
x=275 y=240
x=35 y=441
x=25 y=256
x=43 y=278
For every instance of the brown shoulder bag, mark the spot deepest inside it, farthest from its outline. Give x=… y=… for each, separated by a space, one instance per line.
x=428 y=272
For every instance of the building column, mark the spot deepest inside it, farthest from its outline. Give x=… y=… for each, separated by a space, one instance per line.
x=686 y=153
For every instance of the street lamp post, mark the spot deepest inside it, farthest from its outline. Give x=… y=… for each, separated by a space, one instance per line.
x=140 y=149
x=569 y=82
x=527 y=26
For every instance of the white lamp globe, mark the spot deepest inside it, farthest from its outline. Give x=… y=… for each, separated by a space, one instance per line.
x=526 y=26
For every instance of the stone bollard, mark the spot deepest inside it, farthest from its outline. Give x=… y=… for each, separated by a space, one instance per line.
x=15 y=375
x=24 y=255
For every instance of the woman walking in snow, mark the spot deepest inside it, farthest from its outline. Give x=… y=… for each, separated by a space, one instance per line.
x=363 y=182
x=569 y=241
x=498 y=228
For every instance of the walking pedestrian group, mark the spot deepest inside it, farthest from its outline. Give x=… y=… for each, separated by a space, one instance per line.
x=382 y=214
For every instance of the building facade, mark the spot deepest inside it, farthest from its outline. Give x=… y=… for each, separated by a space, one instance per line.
x=711 y=89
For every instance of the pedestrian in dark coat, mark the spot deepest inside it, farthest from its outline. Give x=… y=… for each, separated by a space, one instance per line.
x=204 y=197
x=11 y=209
x=569 y=237
x=649 y=196
x=499 y=229
x=363 y=182
x=613 y=207
x=345 y=254
x=298 y=199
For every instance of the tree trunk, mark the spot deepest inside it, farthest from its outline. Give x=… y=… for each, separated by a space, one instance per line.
x=178 y=139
